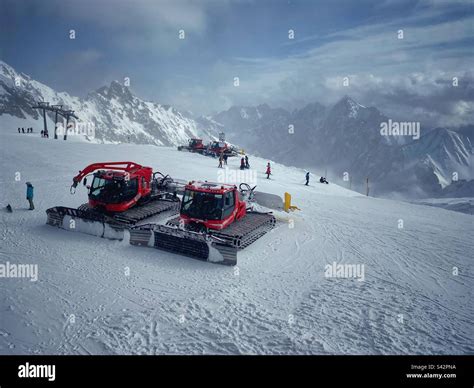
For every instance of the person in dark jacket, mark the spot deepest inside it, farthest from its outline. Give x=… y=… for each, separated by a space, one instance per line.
x=242 y=163
x=247 y=165
x=225 y=159
x=30 y=195
x=323 y=180
x=221 y=159
x=307 y=178
x=22 y=130
x=19 y=130
x=269 y=170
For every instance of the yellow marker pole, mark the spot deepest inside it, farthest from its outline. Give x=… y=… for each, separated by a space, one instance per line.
x=287 y=203
x=287 y=206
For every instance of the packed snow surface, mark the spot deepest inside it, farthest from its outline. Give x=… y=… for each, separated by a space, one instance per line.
x=97 y=296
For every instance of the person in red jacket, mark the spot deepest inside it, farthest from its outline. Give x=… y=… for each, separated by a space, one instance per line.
x=269 y=170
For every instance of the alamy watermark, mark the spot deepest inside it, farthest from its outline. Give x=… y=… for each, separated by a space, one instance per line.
x=12 y=270
x=229 y=176
x=33 y=371
x=76 y=128
x=347 y=271
x=403 y=128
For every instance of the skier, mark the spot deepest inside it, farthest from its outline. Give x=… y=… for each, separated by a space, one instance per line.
x=269 y=170
x=242 y=163
x=29 y=195
x=23 y=130
x=42 y=133
x=221 y=158
x=225 y=159
x=247 y=165
x=323 y=180
x=19 y=130
x=307 y=179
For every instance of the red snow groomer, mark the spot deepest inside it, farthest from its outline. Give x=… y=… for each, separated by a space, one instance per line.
x=216 y=148
x=120 y=195
x=194 y=145
x=219 y=147
x=215 y=221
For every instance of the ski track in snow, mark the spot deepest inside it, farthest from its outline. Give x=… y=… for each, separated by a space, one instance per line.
x=276 y=301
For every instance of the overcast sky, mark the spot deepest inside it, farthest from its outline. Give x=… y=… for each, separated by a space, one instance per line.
x=410 y=78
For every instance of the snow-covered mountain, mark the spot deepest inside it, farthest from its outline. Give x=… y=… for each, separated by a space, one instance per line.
x=346 y=138
x=114 y=112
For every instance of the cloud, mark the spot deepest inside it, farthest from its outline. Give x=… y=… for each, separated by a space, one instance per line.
x=405 y=77
x=409 y=77
x=84 y=57
x=140 y=25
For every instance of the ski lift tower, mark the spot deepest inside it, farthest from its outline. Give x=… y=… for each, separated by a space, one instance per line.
x=221 y=139
x=44 y=106
x=67 y=114
x=57 y=109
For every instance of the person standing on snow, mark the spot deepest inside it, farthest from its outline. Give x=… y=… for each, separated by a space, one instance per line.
x=225 y=159
x=242 y=163
x=30 y=194
x=221 y=158
x=269 y=170
x=247 y=165
x=307 y=178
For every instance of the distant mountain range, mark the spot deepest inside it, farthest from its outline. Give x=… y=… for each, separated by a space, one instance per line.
x=343 y=140
x=346 y=141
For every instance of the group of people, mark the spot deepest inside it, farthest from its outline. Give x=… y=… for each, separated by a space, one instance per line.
x=222 y=158
x=28 y=130
x=321 y=180
x=44 y=133
x=244 y=162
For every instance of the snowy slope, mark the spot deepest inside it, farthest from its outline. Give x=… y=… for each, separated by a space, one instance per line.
x=277 y=300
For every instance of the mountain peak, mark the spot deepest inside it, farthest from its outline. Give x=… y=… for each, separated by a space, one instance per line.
x=115 y=89
x=118 y=88
x=7 y=71
x=347 y=105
